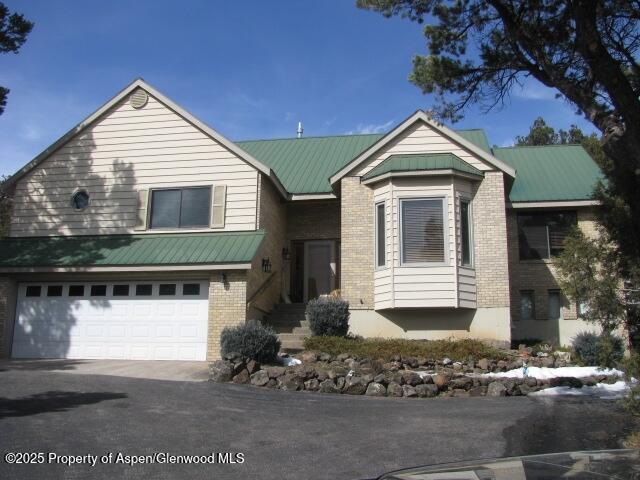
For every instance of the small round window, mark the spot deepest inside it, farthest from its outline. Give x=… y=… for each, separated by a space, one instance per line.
x=80 y=200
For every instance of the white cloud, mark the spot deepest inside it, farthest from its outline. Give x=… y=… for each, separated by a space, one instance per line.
x=363 y=129
x=534 y=90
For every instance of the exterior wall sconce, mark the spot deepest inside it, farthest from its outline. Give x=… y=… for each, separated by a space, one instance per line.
x=266 y=265
x=286 y=256
x=223 y=278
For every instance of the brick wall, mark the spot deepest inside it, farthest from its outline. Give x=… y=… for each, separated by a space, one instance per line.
x=227 y=307
x=540 y=275
x=313 y=220
x=490 y=242
x=356 y=210
x=272 y=217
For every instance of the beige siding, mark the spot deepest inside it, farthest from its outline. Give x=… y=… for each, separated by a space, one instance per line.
x=421 y=138
x=466 y=275
x=124 y=151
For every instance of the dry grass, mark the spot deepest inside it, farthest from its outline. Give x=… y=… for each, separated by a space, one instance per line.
x=632 y=441
x=379 y=348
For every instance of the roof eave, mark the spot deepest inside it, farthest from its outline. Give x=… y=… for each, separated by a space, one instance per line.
x=423 y=173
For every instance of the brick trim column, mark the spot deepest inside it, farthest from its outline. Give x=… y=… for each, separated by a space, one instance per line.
x=227 y=307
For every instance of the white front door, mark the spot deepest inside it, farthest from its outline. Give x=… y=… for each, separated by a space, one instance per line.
x=142 y=320
x=319 y=268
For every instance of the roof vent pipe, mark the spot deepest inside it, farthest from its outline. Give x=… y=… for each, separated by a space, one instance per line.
x=300 y=130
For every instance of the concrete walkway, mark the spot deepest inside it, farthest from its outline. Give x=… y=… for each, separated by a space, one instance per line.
x=145 y=369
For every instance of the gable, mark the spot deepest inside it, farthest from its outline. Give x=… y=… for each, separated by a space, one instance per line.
x=122 y=151
x=420 y=134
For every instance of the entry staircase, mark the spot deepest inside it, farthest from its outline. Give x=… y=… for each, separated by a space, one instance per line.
x=291 y=325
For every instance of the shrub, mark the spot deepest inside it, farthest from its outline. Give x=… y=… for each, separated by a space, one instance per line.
x=251 y=340
x=604 y=350
x=328 y=316
x=386 y=348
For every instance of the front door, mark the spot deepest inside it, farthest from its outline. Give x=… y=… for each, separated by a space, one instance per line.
x=320 y=268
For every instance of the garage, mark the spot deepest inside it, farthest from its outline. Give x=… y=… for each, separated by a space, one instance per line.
x=134 y=320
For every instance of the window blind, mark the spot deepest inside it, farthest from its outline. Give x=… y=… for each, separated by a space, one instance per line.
x=423 y=231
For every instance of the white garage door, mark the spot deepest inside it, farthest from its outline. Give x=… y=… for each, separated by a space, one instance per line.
x=160 y=320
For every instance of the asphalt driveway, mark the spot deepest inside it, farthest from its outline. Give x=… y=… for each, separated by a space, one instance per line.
x=282 y=435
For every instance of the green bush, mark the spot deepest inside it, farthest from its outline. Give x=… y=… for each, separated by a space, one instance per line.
x=252 y=340
x=328 y=316
x=604 y=350
x=386 y=348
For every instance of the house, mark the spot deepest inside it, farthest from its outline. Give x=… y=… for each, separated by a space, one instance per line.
x=143 y=232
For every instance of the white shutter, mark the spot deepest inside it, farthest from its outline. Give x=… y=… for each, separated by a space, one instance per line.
x=423 y=231
x=218 y=206
x=142 y=210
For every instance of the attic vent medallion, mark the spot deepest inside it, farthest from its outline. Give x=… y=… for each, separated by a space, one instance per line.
x=139 y=98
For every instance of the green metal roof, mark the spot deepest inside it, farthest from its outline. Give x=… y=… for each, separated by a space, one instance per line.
x=418 y=162
x=304 y=165
x=550 y=173
x=130 y=250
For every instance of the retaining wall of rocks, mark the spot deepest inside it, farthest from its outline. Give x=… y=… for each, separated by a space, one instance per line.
x=402 y=377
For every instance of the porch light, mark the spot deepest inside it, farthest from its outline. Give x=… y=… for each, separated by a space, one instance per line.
x=266 y=265
x=286 y=256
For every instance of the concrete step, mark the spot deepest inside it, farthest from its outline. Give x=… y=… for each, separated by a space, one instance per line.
x=284 y=329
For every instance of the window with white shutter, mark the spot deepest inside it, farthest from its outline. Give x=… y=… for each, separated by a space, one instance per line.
x=423 y=230
x=218 y=206
x=141 y=210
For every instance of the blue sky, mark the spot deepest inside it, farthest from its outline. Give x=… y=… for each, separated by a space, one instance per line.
x=249 y=69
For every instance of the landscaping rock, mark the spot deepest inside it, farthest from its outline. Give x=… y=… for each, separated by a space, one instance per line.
x=478 y=391
x=355 y=385
x=272 y=383
x=530 y=382
x=412 y=362
x=260 y=378
x=547 y=362
x=242 y=377
x=340 y=381
x=220 y=371
x=322 y=375
x=502 y=365
x=447 y=361
x=290 y=381
x=483 y=363
x=441 y=380
x=464 y=383
x=342 y=357
x=524 y=389
x=376 y=390
x=496 y=389
x=411 y=378
x=309 y=357
x=252 y=367
x=327 y=386
x=394 y=389
x=312 y=385
x=510 y=387
x=426 y=391
x=233 y=357
x=422 y=361
x=275 y=372
x=325 y=357
x=409 y=391
x=336 y=372
x=565 y=382
x=589 y=381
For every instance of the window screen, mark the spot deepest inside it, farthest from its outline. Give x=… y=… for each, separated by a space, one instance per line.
x=423 y=231
x=542 y=234
x=381 y=244
x=465 y=231
x=527 y=305
x=554 y=304
x=187 y=207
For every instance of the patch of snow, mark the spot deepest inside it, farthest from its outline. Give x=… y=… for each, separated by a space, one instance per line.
x=545 y=373
x=601 y=390
x=290 y=361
